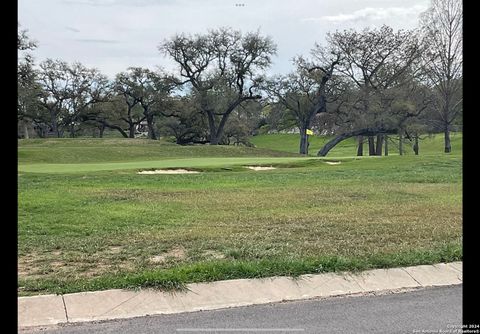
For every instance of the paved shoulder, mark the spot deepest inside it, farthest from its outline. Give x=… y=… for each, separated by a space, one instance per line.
x=119 y=304
x=429 y=310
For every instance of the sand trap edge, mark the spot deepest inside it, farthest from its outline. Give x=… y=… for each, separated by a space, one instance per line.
x=167 y=171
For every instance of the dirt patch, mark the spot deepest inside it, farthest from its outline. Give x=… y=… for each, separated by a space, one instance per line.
x=27 y=264
x=94 y=270
x=35 y=267
x=23 y=271
x=333 y=162
x=257 y=168
x=177 y=253
x=168 y=171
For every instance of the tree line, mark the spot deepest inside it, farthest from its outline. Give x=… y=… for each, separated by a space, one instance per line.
x=378 y=85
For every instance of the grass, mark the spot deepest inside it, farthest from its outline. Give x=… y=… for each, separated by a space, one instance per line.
x=192 y=163
x=88 y=150
x=290 y=143
x=95 y=229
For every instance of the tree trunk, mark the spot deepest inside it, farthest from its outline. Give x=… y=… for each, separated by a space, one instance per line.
x=415 y=145
x=131 y=130
x=72 y=130
x=385 y=138
x=448 y=147
x=213 y=139
x=303 y=141
x=211 y=124
x=115 y=127
x=371 y=145
x=54 y=124
x=378 y=150
x=101 y=130
x=221 y=126
x=360 y=146
x=400 y=144
x=362 y=132
x=40 y=130
x=151 y=127
x=25 y=131
x=216 y=132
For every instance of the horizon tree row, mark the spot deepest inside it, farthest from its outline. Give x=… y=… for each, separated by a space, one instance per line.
x=376 y=84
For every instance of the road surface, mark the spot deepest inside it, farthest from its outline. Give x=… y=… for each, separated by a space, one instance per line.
x=429 y=310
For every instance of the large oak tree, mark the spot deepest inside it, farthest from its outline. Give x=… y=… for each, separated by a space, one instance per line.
x=223 y=69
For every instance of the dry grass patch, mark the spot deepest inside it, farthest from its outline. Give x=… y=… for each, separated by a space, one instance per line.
x=177 y=253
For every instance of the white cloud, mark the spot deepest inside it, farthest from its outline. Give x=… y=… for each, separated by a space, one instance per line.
x=372 y=14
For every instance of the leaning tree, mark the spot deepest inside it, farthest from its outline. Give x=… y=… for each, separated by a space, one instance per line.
x=374 y=61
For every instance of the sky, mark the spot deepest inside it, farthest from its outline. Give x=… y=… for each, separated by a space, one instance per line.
x=112 y=35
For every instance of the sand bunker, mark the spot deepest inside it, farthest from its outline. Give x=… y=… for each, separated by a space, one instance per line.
x=333 y=162
x=168 y=171
x=260 y=168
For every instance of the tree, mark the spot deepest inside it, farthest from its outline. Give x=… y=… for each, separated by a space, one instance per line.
x=403 y=110
x=108 y=114
x=184 y=122
x=304 y=92
x=125 y=86
x=147 y=89
x=27 y=87
x=442 y=25
x=53 y=81
x=222 y=69
x=243 y=123
x=275 y=118
x=67 y=92
x=374 y=61
x=86 y=87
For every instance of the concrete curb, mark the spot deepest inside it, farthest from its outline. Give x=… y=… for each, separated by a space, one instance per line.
x=49 y=310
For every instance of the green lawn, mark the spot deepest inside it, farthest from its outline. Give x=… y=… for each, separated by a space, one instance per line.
x=290 y=143
x=88 y=150
x=96 y=224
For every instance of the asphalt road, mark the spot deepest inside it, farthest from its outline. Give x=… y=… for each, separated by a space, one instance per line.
x=431 y=310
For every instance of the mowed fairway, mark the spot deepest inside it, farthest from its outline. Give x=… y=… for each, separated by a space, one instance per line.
x=88 y=221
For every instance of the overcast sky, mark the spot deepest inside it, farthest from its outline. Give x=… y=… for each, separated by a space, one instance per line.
x=112 y=35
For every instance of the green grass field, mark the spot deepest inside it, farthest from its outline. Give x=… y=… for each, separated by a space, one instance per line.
x=88 y=221
x=290 y=143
